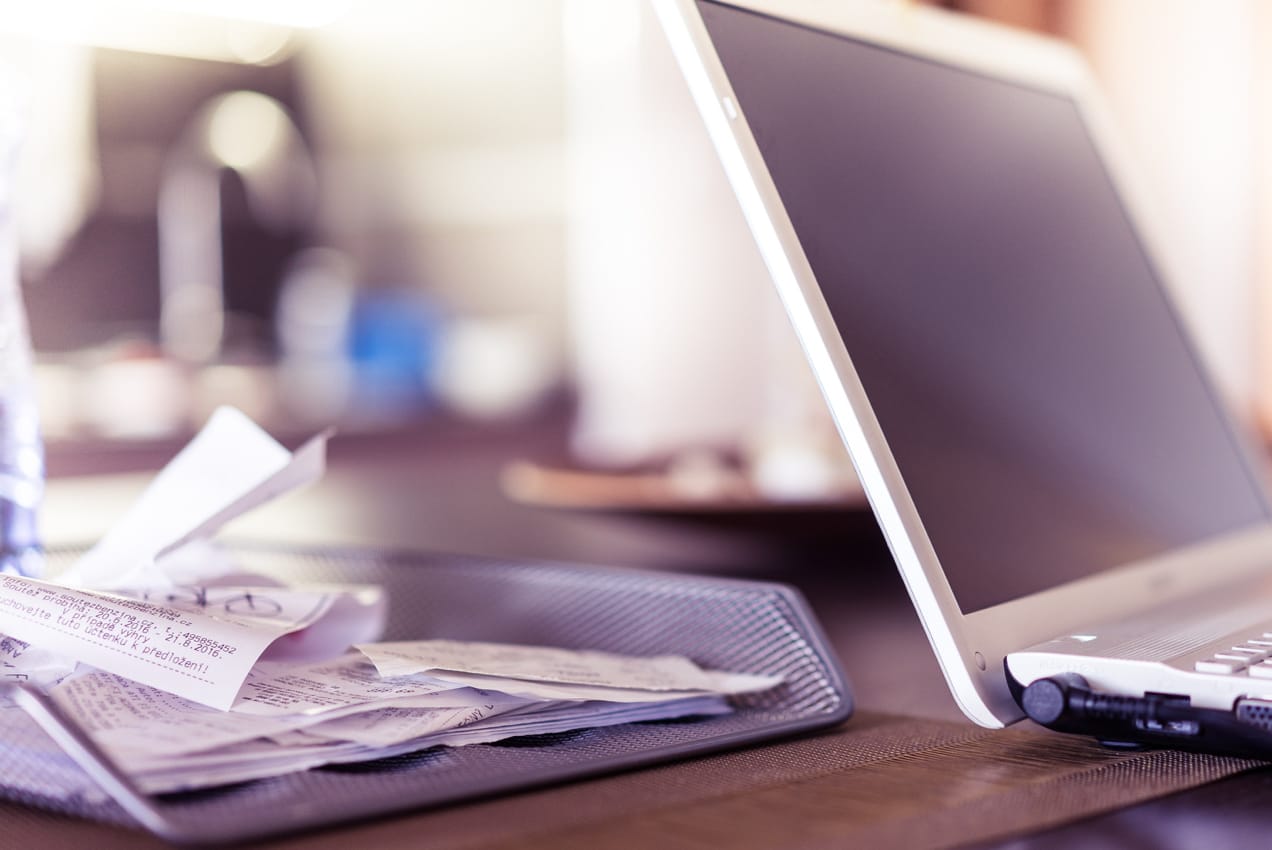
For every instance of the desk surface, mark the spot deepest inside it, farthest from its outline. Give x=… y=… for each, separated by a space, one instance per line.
x=437 y=488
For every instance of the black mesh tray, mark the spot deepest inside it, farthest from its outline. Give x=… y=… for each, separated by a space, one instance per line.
x=745 y=626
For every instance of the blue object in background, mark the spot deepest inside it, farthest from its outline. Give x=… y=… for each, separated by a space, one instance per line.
x=393 y=345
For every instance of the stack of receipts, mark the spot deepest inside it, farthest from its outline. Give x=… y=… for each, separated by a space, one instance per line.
x=383 y=700
x=188 y=673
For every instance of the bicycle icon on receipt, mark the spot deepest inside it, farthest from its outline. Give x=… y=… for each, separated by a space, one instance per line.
x=235 y=601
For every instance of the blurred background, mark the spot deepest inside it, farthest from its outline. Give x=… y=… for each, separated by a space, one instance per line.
x=377 y=214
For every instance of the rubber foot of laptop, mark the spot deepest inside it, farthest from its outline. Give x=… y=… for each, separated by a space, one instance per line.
x=1123 y=745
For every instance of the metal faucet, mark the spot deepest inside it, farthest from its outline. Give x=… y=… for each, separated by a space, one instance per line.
x=253 y=135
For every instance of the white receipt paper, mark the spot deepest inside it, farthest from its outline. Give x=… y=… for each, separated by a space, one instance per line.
x=230 y=467
x=198 y=641
x=545 y=672
x=202 y=651
x=291 y=717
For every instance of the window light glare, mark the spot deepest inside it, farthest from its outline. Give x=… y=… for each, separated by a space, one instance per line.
x=255 y=31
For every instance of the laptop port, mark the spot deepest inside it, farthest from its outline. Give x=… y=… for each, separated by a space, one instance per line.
x=1256 y=712
x=1182 y=728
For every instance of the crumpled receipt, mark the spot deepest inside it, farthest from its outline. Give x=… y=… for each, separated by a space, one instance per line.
x=545 y=672
x=132 y=606
x=292 y=717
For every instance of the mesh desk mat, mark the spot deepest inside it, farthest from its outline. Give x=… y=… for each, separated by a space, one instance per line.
x=721 y=623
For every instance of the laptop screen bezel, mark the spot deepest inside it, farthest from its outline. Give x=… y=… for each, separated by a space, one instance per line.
x=970 y=647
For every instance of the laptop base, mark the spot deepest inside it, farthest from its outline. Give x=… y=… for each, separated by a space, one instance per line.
x=1065 y=703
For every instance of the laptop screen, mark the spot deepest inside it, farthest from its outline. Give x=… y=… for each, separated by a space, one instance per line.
x=1047 y=414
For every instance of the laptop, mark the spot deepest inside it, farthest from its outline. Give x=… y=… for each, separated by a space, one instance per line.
x=1081 y=525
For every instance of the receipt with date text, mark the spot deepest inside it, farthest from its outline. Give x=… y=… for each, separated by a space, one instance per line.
x=198 y=643
x=151 y=602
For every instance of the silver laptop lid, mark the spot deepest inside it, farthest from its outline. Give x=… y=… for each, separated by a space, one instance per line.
x=1047 y=413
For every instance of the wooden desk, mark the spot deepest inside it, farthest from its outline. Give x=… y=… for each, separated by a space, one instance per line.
x=437 y=488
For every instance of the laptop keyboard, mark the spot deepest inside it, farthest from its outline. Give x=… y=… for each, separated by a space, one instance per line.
x=1253 y=656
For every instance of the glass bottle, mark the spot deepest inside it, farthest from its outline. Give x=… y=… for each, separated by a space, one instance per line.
x=21 y=447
